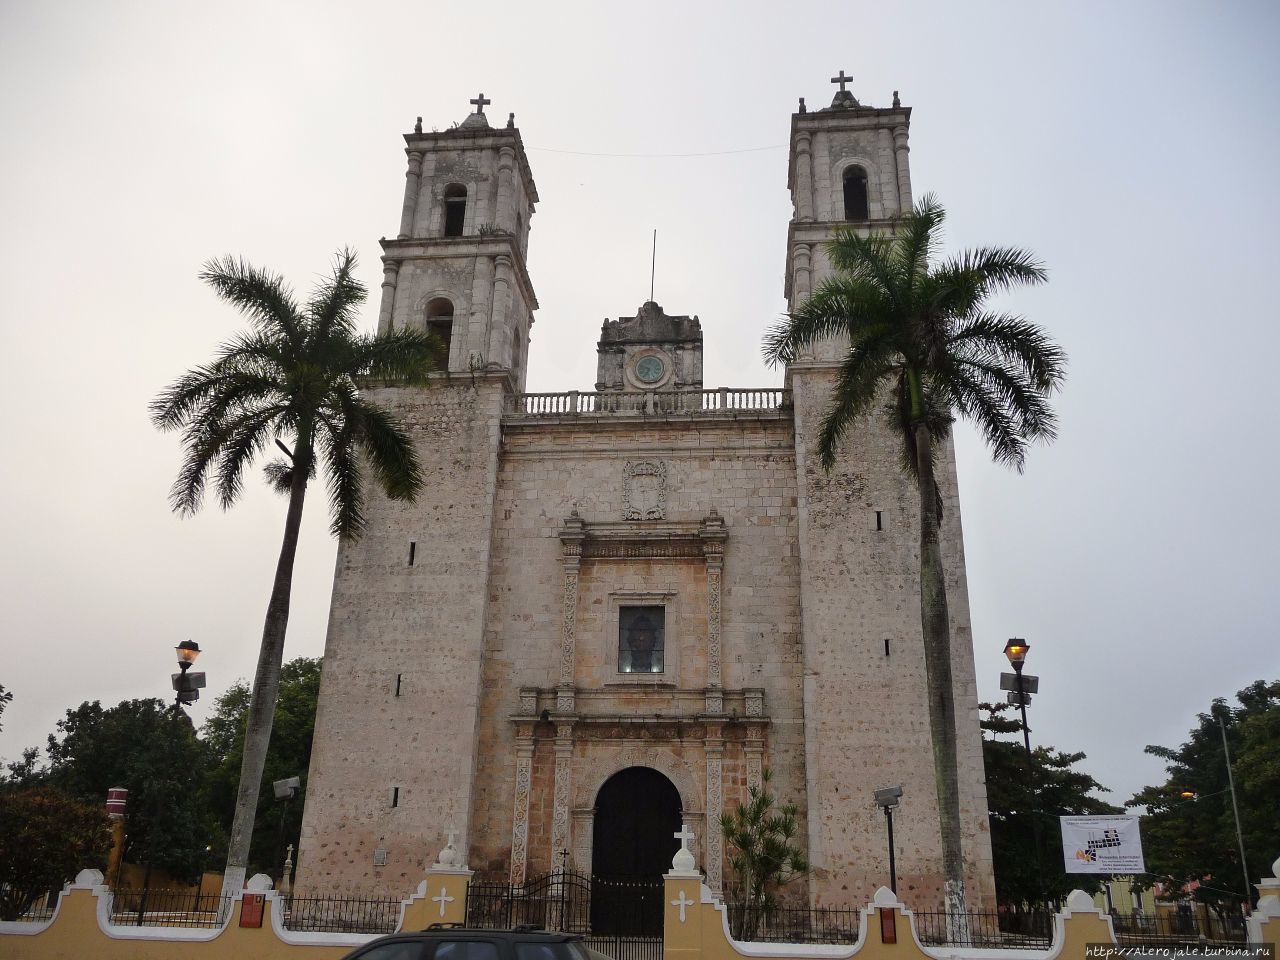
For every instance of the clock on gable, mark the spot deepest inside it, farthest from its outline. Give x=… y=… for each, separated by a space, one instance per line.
x=650 y=369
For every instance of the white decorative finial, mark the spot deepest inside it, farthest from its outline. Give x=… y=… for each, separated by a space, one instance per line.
x=1275 y=869
x=448 y=857
x=683 y=861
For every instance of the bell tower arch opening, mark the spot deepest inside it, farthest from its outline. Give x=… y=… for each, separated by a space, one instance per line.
x=636 y=818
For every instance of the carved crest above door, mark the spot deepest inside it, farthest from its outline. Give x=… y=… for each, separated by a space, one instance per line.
x=644 y=490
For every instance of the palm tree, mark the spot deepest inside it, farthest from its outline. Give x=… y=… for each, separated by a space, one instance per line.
x=922 y=348
x=291 y=376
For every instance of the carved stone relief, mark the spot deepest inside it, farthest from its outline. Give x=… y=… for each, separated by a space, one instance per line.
x=520 y=820
x=644 y=490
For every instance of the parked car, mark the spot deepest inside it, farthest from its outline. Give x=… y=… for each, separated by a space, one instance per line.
x=442 y=942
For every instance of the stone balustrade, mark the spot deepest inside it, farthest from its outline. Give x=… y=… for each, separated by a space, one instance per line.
x=724 y=400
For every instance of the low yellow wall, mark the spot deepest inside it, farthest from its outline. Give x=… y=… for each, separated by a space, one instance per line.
x=695 y=929
x=79 y=930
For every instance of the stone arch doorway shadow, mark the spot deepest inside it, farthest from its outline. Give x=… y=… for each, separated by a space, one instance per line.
x=637 y=814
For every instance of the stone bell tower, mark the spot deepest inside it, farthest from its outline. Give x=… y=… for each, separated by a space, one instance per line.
x=457 y=267
x=865 y=679
x=848 y=169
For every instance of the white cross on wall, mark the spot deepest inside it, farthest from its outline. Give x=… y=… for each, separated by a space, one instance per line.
x=442 y=900
x=682 y=903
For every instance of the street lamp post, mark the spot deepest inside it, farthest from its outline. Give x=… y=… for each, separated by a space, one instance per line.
x=1235 y=809
x=887 y=799
x=1016 y=650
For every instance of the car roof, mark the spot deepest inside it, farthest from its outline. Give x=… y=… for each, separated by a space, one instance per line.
x=525 y=936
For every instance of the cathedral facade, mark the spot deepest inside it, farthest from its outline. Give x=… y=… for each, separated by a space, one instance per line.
x=611 y=611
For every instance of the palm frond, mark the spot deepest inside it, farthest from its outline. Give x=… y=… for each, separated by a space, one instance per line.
x=962 y=283
x=392 y=459
x=332 y=306
x=866 y=258
x=937 y=416
x=245 y=437
x=861 y=375
x=1000 y=337
x=401 y=356
x=346 y=491
x=841 y=305
x=261 y=296
x=919 y=233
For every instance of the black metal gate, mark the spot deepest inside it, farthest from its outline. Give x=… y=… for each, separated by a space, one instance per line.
x=619 y=918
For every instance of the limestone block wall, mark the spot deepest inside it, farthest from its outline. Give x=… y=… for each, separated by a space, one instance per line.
x=866 y=719
x=743 y=469
x=396 y=728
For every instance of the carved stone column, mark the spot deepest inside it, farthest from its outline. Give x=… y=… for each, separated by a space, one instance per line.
x=583 y=825
x=412 y=178
x=572 y=534
x=390 y=274
x=804 y=178
x=563 y=790
x=520 y=817
x=713 y=536
x=715 y=806
x=901 y=150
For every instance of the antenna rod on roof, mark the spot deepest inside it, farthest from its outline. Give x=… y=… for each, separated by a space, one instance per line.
x=653 y=263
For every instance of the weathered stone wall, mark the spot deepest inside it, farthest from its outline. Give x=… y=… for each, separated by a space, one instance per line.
x=422 y=623
x=866 y=718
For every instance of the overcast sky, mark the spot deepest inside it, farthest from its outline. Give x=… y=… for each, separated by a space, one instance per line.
x=1131 y=145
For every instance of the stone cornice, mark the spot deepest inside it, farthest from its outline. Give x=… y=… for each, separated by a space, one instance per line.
x=853 y=118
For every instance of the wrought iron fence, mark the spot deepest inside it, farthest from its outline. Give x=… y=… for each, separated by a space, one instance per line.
x=573 y=903
x=341 y=914
x=627 y=948
x=169 y=908
x=1184 y=927
x=1006 y=929
x=781 y=924
x=41 y=911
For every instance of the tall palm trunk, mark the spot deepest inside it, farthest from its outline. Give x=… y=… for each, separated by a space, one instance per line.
x=936 y=624
x=266 y=679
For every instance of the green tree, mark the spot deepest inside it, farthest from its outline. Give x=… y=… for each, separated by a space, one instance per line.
x=1189 y=833
x=921 y=348
x=6 y=696
x=288 y=756
x=1024 y=793
x=764 y=857
x=292 y=376
x=46 y=838
x=148 y=748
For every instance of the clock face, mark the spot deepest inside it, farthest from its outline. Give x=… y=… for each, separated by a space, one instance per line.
x=650 y=369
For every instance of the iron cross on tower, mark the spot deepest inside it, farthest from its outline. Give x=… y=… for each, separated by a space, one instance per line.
x=842 y=80
x=480 y=101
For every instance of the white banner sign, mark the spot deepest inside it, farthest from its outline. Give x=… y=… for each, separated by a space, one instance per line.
x=1102 y=845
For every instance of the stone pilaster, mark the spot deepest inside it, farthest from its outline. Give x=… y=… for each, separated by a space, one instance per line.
x=504 y=217
x=520 y=816
x=715 y=806
x=412 y=178
x=390 y=274
x=753 y=747
x=500 y=307
x=713 y=536
x=804 y=178
x=563 y=790
x=572 y=534
x=901 y=150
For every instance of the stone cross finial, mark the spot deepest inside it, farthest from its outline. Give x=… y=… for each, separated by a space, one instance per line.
x=683 y=861
x=842 y=80
x=480 y=102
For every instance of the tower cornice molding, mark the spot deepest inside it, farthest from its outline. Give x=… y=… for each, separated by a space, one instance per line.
x=499 y=138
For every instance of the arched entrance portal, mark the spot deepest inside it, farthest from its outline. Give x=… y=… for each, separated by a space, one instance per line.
x=636 y=818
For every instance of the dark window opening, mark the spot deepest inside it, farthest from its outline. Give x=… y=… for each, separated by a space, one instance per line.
x=413 y=550
x=440 y=326
x=886 y=646
x=455 y=209
x=395 y=796
x=879 y=520
x=400 y=676
x=855 y=194
x=641 y=639
x=515 y=350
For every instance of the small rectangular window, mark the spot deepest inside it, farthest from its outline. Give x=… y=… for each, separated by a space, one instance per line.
x=641 y=639
x=399 y=676
x=395 y=796
x=879 y=522
x=886 y=646
x=413 y=551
